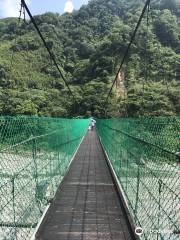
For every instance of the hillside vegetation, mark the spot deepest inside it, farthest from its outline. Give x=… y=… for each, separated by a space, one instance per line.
x=89 y=45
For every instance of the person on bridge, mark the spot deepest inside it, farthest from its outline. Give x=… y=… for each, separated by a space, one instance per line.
x=93 y=123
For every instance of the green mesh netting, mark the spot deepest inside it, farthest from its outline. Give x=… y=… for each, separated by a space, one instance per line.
x=34 y=156
x=145 y=154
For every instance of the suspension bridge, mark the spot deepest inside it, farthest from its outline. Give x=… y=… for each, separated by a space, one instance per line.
x=58 y=180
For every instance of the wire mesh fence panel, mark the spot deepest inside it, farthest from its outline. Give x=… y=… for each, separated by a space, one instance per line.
x=34 y=156
x=145 y=154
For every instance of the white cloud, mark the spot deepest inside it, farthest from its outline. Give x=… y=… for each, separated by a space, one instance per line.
x=10 y=8
x=68 y=6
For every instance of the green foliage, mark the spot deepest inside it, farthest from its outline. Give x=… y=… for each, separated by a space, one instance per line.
x=167 y=29
x=89 y=45
x=149 y=102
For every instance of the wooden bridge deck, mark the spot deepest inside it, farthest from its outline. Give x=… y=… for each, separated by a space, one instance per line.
x=87 y=205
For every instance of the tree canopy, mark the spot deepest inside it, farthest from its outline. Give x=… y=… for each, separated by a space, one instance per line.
x=89 y=45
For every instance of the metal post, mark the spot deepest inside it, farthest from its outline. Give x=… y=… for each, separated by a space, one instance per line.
x=35 y=173
x=14 y=205
x=137 y=192
x=127 y=165
x=159 y=206
x=34 y=154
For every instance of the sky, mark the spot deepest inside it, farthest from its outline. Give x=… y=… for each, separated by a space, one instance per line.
x=10 y=8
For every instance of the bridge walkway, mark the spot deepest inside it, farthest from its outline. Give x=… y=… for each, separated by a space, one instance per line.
x=87 y=205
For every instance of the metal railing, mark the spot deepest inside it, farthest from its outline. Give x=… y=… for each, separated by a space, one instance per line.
x=34 y=156
x=145 y=154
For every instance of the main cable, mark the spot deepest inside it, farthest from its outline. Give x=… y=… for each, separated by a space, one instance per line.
x=128 y=48
x=52 y=56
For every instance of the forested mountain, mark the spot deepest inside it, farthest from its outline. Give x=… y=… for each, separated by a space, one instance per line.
x=89 y=45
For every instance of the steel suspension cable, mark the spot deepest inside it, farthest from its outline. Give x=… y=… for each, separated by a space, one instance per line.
x=15 y=39
x=128 y=48
x=52 y=56
x=145 y=79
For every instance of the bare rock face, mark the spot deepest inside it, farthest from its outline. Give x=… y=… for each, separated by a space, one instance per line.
x=120 y=86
